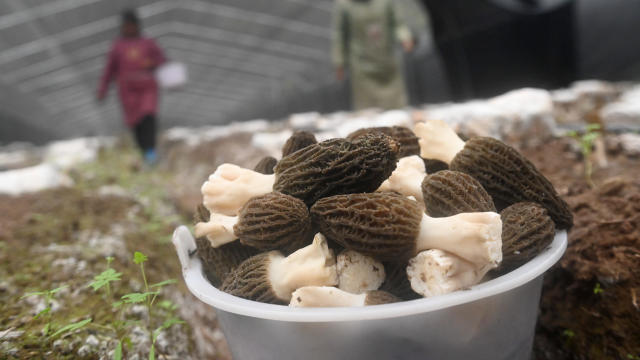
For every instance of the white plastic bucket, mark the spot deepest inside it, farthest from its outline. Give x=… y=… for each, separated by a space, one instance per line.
x=492 y=320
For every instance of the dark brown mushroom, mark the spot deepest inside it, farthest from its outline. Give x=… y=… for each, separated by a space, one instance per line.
x=448 y=193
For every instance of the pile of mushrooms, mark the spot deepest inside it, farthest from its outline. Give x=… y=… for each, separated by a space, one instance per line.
x=359 y=221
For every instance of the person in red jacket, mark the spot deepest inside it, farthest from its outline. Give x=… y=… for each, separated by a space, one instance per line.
x=131 y=62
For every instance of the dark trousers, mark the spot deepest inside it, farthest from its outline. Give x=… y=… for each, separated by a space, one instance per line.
x=145 y=133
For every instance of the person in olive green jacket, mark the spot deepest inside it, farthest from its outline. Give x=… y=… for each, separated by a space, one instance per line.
x=364 y=37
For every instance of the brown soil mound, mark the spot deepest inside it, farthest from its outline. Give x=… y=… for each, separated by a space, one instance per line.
x=590 y=307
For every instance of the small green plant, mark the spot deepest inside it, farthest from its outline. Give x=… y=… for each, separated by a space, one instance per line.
x=105 y=278
x=568 y=333
x=633 y=357
x=148 y=297
x=598 y=289
x=586 y=141
x=46 y=314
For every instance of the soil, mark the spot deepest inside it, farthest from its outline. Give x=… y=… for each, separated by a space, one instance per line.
x=590 y=306
x=60 y=237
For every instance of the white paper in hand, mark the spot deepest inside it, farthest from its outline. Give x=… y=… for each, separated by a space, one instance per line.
x=171 y=75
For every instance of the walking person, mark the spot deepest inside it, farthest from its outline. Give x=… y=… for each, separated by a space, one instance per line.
x=131 y=62
x=365 y=33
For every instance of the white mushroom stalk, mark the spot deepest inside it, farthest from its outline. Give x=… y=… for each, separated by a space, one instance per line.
x=358 y=273
x=407 y=178
x=475 y=237
x=438 y=140
x=325 y=296
x=231 y=186
x=436 y=272
x=311 y=265
x=218 y=230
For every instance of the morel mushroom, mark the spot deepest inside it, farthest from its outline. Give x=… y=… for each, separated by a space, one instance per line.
x=218 y=262
x=390 y=227
x=270 y=277
x=406 y=139
x=266 y=165
x=327 y=296
x=448 y=193
x=298 y=140
x=433 y=166
x=396 y=281
x=406 y=179
x=526 y=231
x=503 y=172
x=436 y=272
x=358 y=273
x=336 y=166
x=231 y=186
x=273 y=221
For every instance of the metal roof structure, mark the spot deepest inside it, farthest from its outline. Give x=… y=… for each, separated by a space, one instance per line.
x=246 y=59
x=240 y=54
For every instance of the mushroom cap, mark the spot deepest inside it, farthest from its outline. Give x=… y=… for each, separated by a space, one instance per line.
x=406 y=139
x=218 y=262
x=298 y=140
x=274 y=221
x=250 y=280
x=381 y=225
x=448 y=193
x=397 y=281
x=336 y=166
x=526 y=231
x=433 y=165
x=510 y=178
x=266 y=165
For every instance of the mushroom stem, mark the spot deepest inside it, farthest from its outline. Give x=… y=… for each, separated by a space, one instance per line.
x=218 y=230
x=312 y=265
x=436 y=272
x=231 y=186
x=475 y=237
x=438 y=141
x=325 y=296
x=407 y=178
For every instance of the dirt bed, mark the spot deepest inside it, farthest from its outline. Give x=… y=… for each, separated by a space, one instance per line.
x=590 y=308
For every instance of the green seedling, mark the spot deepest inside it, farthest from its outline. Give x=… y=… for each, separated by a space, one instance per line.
x=148 y=297
x=586 y=141
x=568 y=333
x=105 y=278
x=46 y=313
x=598 y=289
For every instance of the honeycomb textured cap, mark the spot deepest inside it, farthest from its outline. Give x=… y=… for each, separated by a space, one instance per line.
x=266 y=165
x=433 y=165
x=510 y=178
x=381 y=225
x=407 y=141
x=218 y=262
x=526 y=231
x=378 y=297
x=449 y=193
x=336 y=166
x=250 y=280
x=298 y=140
x=274 y=221
x=397 y=281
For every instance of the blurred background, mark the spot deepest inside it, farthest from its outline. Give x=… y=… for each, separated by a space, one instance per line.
x=271 y=58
